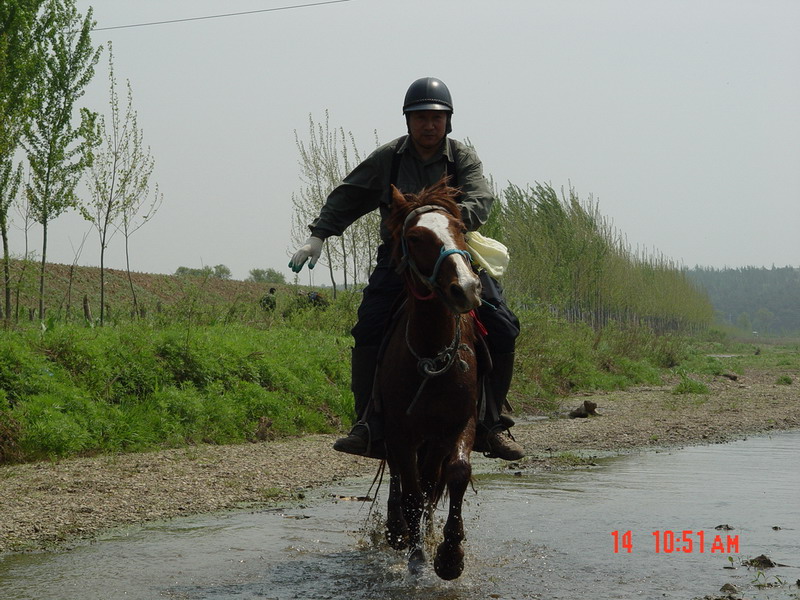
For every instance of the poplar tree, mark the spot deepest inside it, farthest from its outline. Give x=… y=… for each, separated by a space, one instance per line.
x=121 y=164
x=20 y=26
x=58 y=149
x=325 y=158
x=137 y=209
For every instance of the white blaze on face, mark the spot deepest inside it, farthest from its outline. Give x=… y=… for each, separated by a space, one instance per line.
x=440 y=226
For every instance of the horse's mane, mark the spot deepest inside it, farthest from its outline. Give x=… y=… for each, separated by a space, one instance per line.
x=439 y=194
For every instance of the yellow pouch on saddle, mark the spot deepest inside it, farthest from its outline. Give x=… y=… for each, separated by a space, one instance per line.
x=488 y=253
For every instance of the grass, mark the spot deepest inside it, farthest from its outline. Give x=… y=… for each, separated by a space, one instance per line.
x=556 y=357
x=572 y=459
x=687 y=385
x=201 y=377
x=74 y=391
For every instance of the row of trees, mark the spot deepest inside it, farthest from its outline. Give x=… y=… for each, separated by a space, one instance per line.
x=753 y=298
x=46 y=61
x=564 y=254
x=223 y=272
x=218 y=271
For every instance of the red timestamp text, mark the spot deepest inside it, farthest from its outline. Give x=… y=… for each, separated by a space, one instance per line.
x=685 y=541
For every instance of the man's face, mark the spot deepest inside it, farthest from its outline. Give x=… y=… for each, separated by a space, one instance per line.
x=427 y=128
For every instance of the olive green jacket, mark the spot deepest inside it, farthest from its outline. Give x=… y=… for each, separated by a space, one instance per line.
x=367 y=186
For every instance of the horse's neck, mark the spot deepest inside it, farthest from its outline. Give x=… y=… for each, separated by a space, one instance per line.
x=431 y=324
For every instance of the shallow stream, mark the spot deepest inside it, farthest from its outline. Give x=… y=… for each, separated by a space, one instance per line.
x=530 y=535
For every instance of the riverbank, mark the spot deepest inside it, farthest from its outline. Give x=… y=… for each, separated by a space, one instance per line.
x=56 y=503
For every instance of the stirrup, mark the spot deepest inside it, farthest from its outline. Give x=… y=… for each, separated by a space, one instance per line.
x=359 y=443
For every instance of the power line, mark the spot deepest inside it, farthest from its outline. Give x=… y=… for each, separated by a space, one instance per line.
x=236 y=14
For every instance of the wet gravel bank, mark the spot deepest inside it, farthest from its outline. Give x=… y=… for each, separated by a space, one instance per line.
x=54 y=503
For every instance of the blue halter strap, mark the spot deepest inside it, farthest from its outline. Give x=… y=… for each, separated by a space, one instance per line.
x=443 y=253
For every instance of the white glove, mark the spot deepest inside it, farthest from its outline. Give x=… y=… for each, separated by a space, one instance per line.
x=311 y=249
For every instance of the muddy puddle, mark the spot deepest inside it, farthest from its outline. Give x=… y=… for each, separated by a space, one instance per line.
x=530 y=535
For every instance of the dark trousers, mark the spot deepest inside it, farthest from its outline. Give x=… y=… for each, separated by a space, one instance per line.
x=385 y=286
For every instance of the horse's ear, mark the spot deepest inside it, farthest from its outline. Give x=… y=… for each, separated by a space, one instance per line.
x=397 y=197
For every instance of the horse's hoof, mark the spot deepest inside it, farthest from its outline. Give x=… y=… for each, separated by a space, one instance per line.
x=416 y=561
x=397 y=541
x=449 y=561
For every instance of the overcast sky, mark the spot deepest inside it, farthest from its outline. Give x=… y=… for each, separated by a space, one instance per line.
x=680 y=118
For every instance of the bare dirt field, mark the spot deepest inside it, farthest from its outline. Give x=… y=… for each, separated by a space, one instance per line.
x=56 y=503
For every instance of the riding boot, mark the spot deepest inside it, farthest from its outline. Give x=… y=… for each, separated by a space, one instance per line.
x=492 y=436
x=364 y=436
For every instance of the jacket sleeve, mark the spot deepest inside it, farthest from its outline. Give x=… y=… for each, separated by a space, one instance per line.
x=476 y=193
x=358 y=194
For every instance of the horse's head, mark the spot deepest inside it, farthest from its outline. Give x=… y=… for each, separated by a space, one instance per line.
x=430 y=247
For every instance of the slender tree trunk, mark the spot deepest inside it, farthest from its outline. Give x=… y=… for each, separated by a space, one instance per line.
x=102 y=284
x=6 y=270
x=330 y=268
x=344 y=261
x=21 y=277
x=69 y=292
x=130 y=279
x=41 y=273
x=19 y=286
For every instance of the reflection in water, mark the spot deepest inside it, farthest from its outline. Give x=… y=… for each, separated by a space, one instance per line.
x=544 y=536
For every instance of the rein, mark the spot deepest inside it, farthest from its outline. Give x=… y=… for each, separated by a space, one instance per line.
x=429 y=368
x=438 y=365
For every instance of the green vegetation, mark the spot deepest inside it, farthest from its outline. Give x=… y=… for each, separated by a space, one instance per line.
x=218 y=271
x=71 y=390
x=556 y=357
x=200 y=358
x=206 y=372
x=718 y=353
x=119 y=180
x=47 y=60
x=567 y=258
x=753 y=299
x=207 y=360
x=571 y=459
x=688 y=385
x=58 y=149
x=266 y=276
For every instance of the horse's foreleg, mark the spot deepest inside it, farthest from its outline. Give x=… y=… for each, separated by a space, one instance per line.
x=449 y=560
x=404 y=466
x=396 y=526
x=432 y=483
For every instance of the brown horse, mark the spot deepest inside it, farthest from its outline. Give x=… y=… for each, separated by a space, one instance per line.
x=427 y=384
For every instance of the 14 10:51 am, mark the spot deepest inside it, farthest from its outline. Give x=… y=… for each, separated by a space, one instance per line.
x=687 y=541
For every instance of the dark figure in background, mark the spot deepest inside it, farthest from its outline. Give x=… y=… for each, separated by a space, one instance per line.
x=267 y=303
x=317 y=300
x=411 y=163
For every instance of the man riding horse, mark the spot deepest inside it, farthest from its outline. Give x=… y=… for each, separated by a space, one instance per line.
x=412 y=163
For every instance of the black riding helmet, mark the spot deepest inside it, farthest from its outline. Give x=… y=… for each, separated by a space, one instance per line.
x=429 y=93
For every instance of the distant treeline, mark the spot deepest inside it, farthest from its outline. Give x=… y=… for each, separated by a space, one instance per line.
x=566 y=257
x=753 y=298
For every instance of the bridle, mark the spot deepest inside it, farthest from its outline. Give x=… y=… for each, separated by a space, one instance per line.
x=447 y=357
x=407 y=262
